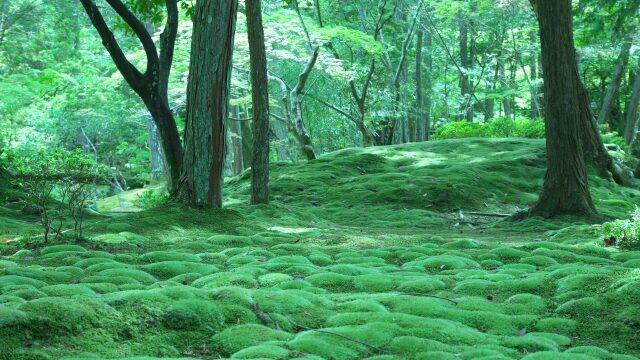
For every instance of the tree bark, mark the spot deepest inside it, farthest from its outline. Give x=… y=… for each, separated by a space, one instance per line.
x=616 y=80
x=566 y=188
x=155 y=151
x=214 y=25
x=465 y=86
x=151 y=85
x=260 y=97
x=236 y=140
x=632 y=111
x=416 y=127
x=428 y=100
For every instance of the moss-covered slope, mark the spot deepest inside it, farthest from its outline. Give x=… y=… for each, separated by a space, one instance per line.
x=358 y=257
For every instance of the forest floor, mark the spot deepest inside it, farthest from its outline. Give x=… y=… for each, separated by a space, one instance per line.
x=373 y=253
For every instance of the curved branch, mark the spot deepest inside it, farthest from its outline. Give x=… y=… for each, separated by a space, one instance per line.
x=130 y=73
x=141 y=32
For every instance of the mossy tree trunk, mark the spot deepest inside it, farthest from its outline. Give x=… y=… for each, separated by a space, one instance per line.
x=616 y=80
x=260 y=97
x=214 y=23
x=566 y=188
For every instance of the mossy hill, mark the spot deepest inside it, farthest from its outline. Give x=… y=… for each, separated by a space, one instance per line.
x=373 y=253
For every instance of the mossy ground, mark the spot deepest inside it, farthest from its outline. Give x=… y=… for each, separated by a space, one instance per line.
x=362 y=254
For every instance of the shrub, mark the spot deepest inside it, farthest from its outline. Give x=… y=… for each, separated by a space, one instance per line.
x=623 y=233
x=56 y=184
x=152 y=198
x=498 y=127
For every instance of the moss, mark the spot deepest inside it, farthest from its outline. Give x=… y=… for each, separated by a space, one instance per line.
x=539 y=260
x=580 y=307
x=561 y=256
x=62 y=248
x=235 y=338
x=192 y=314
x=7 y=280
x=508 y=254
x=11 y=317
x=373 y=283
x=529 y=343
x=27 y=294
x=158 y=256
x=262 y=352
x=230 y=240
x=524 y=304
x=169 y=269
x=273 y=279
x=557 y=325
x=491 y=264
x=138 y=275
x=68 y=290
x=407 y=345
x=224 y=279
x=63 y=315
x=476 y=287
x=442 y=262
x=117 y=227
x=332 y=281
x=553 y=355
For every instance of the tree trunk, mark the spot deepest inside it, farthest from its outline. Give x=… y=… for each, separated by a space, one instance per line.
x=632 y=111
x=616 y=80
x=465 y=86
x=236 y=140
x=155 y=151
x=428 y=100
x=260 y=97
x=566 y=188
x=416 y=127
x=207 y=102
x=151 y=85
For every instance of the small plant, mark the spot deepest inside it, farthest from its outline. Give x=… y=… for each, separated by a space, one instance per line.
x=623 y=233
x=152 y=198
x=56 y=184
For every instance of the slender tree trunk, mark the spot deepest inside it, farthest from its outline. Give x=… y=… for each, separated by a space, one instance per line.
x=632 y=111
x=616 y=80
x=428 y=100
x=417 y=125
x=236 y=140
x=465 y=86
x=155 y=151
x=566 y=188
x=260 y=97
x=207 y=102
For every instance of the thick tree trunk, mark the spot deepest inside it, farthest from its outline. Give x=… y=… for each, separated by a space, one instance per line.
x=616 y=80
x=207 y=102
x=260 y=97
x=566 y=188
x=632 y=111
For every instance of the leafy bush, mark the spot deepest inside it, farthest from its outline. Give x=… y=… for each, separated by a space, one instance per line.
x=152 y=198
x=55 y=183
x=623 y=233
x=499 y=127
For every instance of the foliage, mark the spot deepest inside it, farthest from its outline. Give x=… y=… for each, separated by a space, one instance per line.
x=150 y=199
x=625 y=233
x=499 y=127
x=56 y=183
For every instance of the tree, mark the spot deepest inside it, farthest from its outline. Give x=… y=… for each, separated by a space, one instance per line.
x=260 y=98
x=207 y=103
x=566 y=187
x=152 y=84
